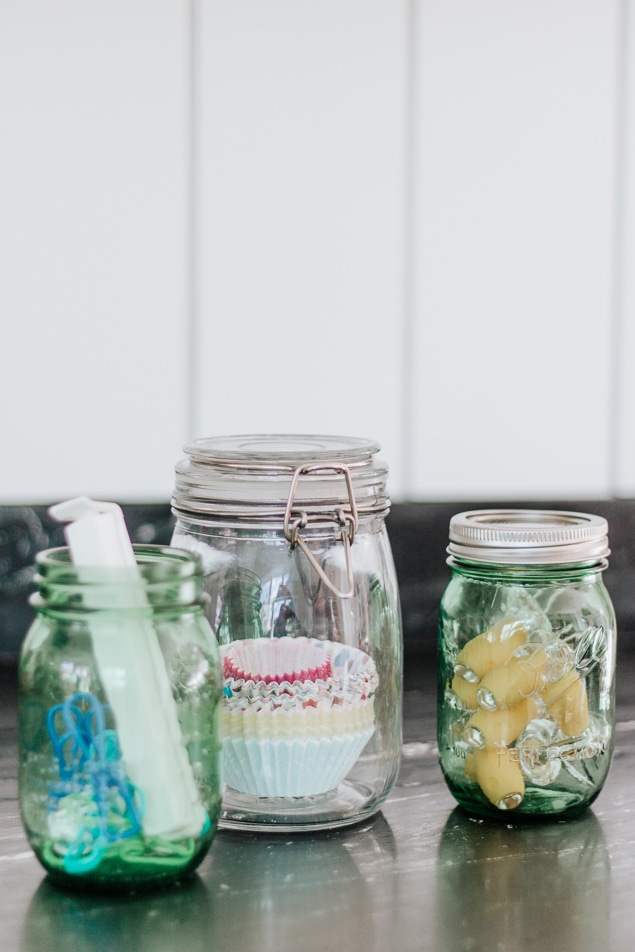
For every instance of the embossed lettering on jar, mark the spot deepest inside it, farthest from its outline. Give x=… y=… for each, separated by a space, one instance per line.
x=304 y=603
x=526 y=662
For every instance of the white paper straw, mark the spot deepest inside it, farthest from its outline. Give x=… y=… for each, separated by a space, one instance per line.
x=132 y=670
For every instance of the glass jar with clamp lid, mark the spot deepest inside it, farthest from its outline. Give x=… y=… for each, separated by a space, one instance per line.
x=304 y=603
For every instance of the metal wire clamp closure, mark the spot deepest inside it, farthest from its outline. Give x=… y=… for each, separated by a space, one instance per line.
x=345 y=516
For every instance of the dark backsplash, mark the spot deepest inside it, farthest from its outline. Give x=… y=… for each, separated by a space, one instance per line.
x=418 y=534
x=26 y=530
x=419 y=537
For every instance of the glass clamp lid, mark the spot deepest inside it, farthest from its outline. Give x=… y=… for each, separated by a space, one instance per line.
x=280 y=450
x=528 y=537
x=287 y=482
x=257 y=475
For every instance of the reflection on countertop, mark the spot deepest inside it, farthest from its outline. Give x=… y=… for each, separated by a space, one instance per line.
x=421 y=875
x=503 y=886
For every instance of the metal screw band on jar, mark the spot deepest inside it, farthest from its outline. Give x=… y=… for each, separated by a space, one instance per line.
x=528 y=537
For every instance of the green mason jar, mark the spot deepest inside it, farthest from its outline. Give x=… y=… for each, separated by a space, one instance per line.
x=119 y=691
x=526 y=663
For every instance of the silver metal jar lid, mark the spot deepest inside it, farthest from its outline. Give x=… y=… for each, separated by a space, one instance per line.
x=528 y=536
x=261 y=475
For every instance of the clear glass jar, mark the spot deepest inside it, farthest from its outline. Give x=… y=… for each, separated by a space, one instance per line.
x=526 y=663
x=304 y=602
x=119 y=699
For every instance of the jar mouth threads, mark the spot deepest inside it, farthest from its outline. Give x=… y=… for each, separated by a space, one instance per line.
x=528 y=537
x=169 y=577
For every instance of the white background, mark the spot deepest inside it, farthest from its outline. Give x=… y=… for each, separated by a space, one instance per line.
x=411 y=220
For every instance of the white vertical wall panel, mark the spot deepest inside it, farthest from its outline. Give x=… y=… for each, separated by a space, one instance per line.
x=514 y=172
x=465 y=314
x=625 y=274
x=301 y=170
x=93 y=246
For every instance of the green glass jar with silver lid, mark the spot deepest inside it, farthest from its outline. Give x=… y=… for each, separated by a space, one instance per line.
x=303 y=600
x=526 y=668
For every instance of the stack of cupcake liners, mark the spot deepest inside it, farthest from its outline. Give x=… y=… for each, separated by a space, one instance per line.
x=297 y=714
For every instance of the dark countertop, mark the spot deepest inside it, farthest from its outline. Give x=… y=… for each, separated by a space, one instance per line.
x=420 y=876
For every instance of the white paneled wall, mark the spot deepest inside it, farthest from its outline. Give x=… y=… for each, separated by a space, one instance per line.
x=515 y=158
x=623 y=443
x=302 y=158
x=404 y=219
x=94 y=236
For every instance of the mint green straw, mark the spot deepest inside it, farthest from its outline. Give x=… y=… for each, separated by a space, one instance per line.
x=132 y=670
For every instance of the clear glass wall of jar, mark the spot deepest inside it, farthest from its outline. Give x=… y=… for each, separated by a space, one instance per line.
x=119 y=693
x=304 y=602
x=526 y=663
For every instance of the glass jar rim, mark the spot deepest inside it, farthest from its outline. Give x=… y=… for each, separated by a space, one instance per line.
x=154 y=562
x=528 y=537
x=165 y=577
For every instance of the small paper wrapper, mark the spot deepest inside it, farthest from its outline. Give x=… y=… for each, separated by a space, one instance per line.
x=264 y=721
x=287 y=667
x=297 y=713
x=276 y=660
x=291 y=768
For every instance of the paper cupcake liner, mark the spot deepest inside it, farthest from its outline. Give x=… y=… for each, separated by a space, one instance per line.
x=234 y=690
x=276 y=660
x=347 y=661
x=296 y=714
x=290 y=768
x=351 y=672
x=266 y=723
x=243 y=694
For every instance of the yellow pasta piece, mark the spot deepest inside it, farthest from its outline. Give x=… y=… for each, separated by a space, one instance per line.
x=553 y=690
x=519 y=678
x=566 y=701
x=499 y=777
x=499 y=728
x=466 y=691
x=491 y=648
